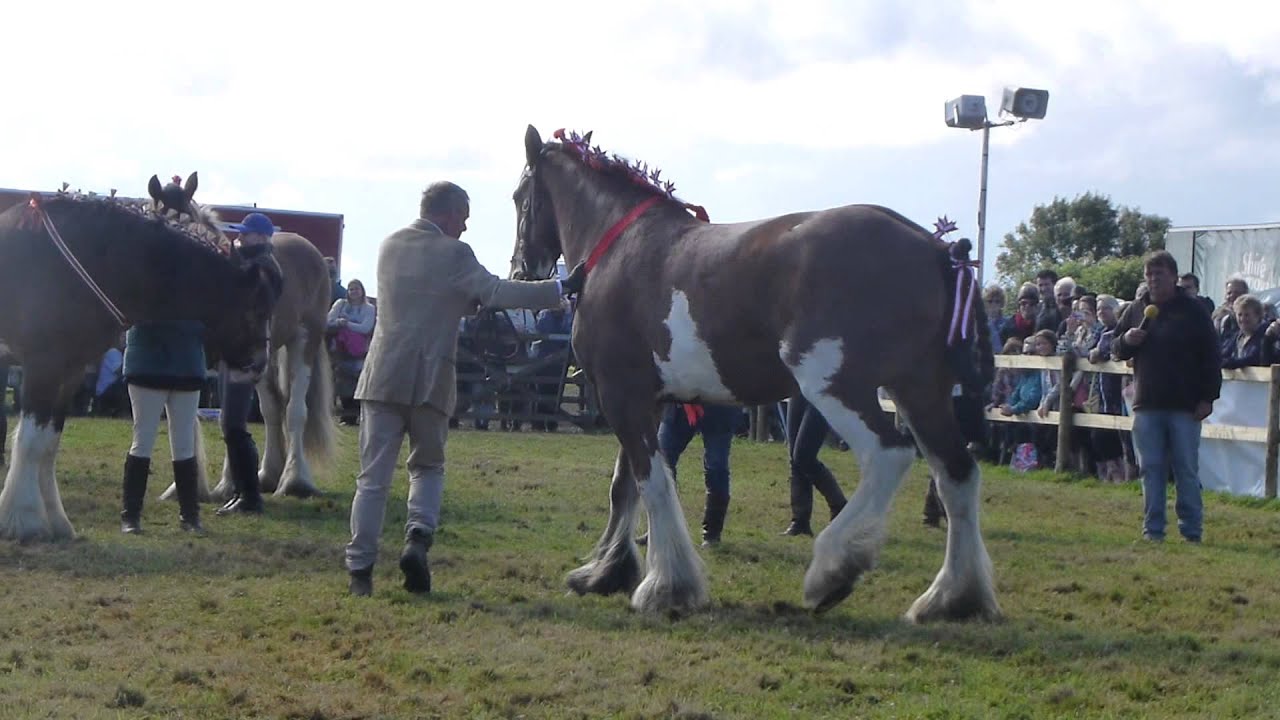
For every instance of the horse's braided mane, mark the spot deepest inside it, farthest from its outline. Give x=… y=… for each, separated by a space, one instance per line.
x=635 y=172
x=201 y=230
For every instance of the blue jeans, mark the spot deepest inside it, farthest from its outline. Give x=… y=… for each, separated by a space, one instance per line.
x=1167 y=440
x=716 y=427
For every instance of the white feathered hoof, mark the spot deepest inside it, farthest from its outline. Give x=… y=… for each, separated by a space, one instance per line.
x=837 y=564
x=619 y=572
x=950 y=600
x=205 y=496
x=297 y=486
x=665 y=597
x=29 y=522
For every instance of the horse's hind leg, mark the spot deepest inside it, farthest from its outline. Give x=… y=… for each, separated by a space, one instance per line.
x=271 y=402
x=615 y=563
x=296 y=479
x=963 y=588
x=850 y=545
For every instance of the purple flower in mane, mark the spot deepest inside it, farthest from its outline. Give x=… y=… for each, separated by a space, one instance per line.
x=635 y=170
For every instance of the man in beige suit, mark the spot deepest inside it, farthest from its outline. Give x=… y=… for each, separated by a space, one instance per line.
x=428 y=280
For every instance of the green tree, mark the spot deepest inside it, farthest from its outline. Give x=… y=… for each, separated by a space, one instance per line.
x=1087 y=238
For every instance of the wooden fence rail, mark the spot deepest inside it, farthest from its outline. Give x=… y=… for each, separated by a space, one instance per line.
x=1067 y=418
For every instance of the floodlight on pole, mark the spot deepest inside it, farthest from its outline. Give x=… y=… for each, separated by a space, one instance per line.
x=969 y=112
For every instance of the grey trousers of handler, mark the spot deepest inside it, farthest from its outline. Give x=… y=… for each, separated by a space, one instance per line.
x=382 y=430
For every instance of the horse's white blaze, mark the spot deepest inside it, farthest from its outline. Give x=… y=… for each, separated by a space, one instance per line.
x=966 y=574
x=30 y=507
x=296 y=477
x=676 y=579
x=690 y=372
x=850 y=545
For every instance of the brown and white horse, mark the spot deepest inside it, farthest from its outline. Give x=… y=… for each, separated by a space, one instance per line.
x=296 y=390
x=78 y=268
x=832 y=304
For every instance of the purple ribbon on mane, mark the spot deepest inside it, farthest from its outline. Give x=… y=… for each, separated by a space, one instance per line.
x=960 y=322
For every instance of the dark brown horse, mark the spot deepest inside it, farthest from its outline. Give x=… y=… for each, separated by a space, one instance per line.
x=832 y=304
x=158 y=261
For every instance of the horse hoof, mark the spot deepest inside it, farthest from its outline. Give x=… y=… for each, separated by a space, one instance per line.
x=599 y=578
x=652 y=597
x=300 y=490
x=834 y=597
x=934 y=606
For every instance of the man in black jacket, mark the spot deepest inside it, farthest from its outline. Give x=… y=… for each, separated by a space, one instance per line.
x=1177 y=376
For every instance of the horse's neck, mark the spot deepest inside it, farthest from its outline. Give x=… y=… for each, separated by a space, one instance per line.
x=585 y=208
x=184 y=285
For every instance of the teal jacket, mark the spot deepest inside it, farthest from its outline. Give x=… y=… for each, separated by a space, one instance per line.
x=165 y=356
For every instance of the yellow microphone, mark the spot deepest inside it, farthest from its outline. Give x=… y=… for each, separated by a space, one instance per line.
x=1149 y=313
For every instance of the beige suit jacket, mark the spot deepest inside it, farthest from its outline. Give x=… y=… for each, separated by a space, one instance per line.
x=427 y=282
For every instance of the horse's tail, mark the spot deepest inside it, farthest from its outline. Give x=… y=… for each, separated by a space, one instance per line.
x=319 y=437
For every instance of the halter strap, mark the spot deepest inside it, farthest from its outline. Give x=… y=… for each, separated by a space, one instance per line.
x=613 y=232
x=962 y=306
x=34 y=207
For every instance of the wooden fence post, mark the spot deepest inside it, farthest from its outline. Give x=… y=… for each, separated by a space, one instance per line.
x=1065 y=410
x=1273 y=432
x=759 y=423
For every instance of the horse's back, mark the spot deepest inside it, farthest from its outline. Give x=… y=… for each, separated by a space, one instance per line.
x=306 y=292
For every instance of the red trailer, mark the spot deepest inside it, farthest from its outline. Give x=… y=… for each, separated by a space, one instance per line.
x=324 y=230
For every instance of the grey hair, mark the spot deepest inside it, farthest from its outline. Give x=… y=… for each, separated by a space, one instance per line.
x=442 y=198
x=1066 y=283
x=1110 y=301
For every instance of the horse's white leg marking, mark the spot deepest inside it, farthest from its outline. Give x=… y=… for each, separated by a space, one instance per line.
x=59 y=524
x=614 y=566
x=850 y=545
x=24 y=510
x=690 y=372
x=273 y=444
x=676 y=579
x=964 y=587
x=296 y=479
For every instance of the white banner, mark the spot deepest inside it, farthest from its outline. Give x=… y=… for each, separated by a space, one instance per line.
x=1233 y=466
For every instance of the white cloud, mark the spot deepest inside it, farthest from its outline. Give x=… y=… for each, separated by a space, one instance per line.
x=354 y=108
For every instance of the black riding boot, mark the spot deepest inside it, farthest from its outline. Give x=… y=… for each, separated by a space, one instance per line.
x=136 y=470
x=242 y=462
x=713 y=518
x=413 y=561
x=934 y=512
x=801 y=505
x=825 y=483
x=186 y=485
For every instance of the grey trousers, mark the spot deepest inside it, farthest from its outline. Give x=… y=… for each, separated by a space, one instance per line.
x=382 y=430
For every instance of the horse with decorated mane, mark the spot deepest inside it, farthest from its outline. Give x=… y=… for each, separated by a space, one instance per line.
x=677 y=308
x=81 y=267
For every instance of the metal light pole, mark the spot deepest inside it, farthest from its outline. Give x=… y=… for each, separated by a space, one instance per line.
x=982 y=193
x=970 y=112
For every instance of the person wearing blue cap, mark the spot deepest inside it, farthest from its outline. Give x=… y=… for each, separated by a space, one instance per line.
x=236 y=384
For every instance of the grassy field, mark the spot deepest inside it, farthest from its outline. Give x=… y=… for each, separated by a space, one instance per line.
x=253 y=620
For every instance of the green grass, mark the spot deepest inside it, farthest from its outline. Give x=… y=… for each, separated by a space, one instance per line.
x=253 y=620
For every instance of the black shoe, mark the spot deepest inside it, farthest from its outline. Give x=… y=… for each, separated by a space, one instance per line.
x=932 y=521
x=360 y=583
x=798 y=528
x=413 y=561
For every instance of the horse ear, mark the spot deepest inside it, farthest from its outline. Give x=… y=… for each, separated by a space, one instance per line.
x=153 y=188
x=532 y=146
x=586 y=139
x=189 y=189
